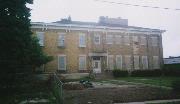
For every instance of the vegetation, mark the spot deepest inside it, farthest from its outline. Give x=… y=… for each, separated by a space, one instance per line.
x=120 y=73
x=146 y=73
x=20 y=51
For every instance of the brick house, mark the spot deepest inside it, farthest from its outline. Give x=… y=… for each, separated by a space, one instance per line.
x=99 y=46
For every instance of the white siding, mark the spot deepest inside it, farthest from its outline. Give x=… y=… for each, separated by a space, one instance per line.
x=82 y=62
x=110 y=62
x=82 y=40
x=62 y=62
x=136 y=62
x=118 y=61
x=156 y=64
x=144 y=62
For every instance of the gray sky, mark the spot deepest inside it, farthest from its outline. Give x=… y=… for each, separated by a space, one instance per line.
x=90 y=10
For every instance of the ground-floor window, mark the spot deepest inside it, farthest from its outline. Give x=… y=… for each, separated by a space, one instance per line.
x=62 y=62
x=82 y=62
x=144 y=62
x=118 y=61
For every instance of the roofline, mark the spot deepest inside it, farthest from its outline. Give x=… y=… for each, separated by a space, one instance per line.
x=89 y=27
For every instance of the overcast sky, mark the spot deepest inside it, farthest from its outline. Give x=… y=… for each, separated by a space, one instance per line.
x=90 y=10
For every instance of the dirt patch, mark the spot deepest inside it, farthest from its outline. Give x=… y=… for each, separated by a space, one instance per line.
x=110 y=95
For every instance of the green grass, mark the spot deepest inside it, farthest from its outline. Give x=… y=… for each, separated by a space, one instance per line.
x=158 y=81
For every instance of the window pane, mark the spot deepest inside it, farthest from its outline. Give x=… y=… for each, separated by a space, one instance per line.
x=82 y=62
x=154 y=41
x=109 y=39
x=119 y=62
x=145 y=62
x=61 y=40
x=40 y=36
x=97 y=39
x=82 y=40
x=62 y=63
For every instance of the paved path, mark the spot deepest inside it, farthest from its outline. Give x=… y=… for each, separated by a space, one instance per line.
x=153 y=101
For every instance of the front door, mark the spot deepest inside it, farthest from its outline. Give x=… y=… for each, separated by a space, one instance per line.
x=96 y=66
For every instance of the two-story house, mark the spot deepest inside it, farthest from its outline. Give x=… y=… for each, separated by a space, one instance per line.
x=106 y=45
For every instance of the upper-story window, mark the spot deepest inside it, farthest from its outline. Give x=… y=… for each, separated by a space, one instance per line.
x=154 y=41
x=143 y=40
x=96 y=39
x=82 y=40
x=118 y=39
x=109 y=39
x=126 y=40
x=40 y=36
x=61 y=40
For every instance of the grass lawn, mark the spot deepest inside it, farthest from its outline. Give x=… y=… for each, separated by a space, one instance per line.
x=158 y=81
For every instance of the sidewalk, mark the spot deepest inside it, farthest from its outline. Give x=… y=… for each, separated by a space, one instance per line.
x=152 y=102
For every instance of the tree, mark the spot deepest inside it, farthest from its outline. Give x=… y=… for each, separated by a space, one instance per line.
x=19 y=50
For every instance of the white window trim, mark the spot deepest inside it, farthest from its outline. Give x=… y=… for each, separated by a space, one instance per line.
x=60 y=34
x=138 y=67
x=121 y=60
x=107 y=42
x=64 y=62
x=85 y=62
x=84 y=45
x=99 y=39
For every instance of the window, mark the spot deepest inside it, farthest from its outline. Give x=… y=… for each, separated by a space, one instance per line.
x=154 y=41
x=128 y=61
x=61 y=40
x=118 y=39
x=143 y=40
x=136 y=62
x=62 y=62
x=126 y=40
x=40 y=36
x=96 y=39
x=82 y=40
x=82 y=62
x=109 y=39
x=156 y=64
x=144 y=62
x=110 y=62
x=135 y=38
x=119 y=62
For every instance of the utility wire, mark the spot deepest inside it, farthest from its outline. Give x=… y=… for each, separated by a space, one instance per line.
x=144 y=6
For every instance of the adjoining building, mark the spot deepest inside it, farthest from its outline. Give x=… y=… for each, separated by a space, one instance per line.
x=172 y=60
x=103 y=46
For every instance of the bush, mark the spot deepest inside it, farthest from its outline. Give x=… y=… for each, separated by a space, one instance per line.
x=176 y=86
x=120 y=73
x=146 y=73
x=171 y=72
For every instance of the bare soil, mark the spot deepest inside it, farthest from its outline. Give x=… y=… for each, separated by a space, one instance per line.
x=110 y=95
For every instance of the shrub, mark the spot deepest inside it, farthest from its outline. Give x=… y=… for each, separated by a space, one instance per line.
x=146 y=73
x=120 y=73
x=176 y=86
x=171 y=72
